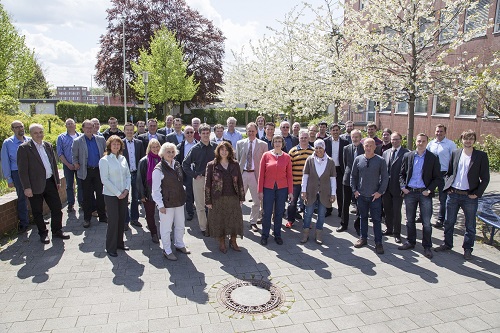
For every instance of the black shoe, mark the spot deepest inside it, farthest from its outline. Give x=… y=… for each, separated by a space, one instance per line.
x=190 y=217
x=298 y=216
x=438 y=225
x=124 y=248
x=263 y=241
x=428 y=253
x=342 y=228
x=397 y=239
x=278 y=240
x=328 y=213
x=406 y=246
x=22 y=230
x=468 y=254
x=45 y=239
x=205 y=233
x=71 y=209
x=379 y=248
x=259 y=221
x=103 y=220
x=388 y=233
x=136 y=224
x=112 y=254
x=126 y=227
x=60 y=234
x=86 y=224
x=442 y=247
x=254 y=228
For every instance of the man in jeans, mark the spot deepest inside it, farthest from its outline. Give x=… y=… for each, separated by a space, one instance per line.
x=467 y=178
x=369 y=179
x=418 y=178
x=63 y=147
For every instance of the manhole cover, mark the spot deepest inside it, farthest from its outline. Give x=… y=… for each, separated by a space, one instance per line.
x=251 y=297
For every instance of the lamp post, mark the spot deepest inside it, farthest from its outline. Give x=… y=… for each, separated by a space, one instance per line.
x=145 y=79
x=124 y=75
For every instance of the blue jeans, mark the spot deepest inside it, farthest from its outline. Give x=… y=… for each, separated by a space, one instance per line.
x=133 y=212
x=365 y=205
x=412 y=200
x=273 y=198
x=22 y=203
x=442 y=199
x=309 y=213
x=469 y=206
x=292 y=206
x=70 y=176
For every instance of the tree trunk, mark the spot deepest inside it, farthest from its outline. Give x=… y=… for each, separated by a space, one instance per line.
x=411 y=120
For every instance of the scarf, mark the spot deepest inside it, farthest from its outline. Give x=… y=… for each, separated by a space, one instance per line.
x=153 y=160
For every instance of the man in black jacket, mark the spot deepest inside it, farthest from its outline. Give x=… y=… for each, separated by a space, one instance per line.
x=466 y=180
x=152 y=134
x=419 y=177
x=113 y=129
x=183 y=149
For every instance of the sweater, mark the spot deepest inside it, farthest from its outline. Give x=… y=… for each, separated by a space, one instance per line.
x=275 y=170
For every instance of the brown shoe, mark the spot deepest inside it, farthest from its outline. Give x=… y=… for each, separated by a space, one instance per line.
x=184 y=250
x=360 y=243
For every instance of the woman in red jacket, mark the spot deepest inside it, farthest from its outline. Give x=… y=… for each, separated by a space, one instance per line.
x=275 y=184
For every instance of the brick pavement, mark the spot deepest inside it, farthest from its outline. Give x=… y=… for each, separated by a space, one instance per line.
x=74 y=286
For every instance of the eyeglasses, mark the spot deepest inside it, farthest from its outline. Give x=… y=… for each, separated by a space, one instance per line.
x=285 y=126
x=18 y=127
x=319 y=148
x=189 y=132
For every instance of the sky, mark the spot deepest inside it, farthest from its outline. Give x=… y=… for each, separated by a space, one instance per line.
x=65 y=33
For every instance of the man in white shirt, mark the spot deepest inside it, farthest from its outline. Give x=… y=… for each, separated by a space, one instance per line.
x=442 y=147
x=249 y=152
x=261 y=127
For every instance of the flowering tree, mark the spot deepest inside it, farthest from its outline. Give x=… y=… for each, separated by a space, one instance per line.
x=407 y=50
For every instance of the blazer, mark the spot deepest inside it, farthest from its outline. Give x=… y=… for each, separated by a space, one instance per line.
x=172 y=137
x=259 y=148
x=393 y=187
x=145 y=139
x=80 y=153
x=328 y=151
x=180 y=148
x=164 y=130
x=214 y=181
x=478 y=174
x=317 y=184
x=140 y=152
x=348 y=160
x=431 y=170
x=31 y=169
x=223 y=139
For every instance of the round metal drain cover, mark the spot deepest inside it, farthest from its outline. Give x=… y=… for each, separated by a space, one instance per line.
x=251 y=297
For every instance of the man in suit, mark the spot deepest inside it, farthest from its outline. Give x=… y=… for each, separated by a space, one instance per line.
x=392 y=199
x=219 y=134
x=249 y=152
x=261 y=126
x=290 y=141
x=334 y=147
x=87 y=151
x=177 y=136
x=349 y=126
x=169 y=121
x=183 y=148
x=40 y=179
x=113 y=129
x=350 y=152
x=418 y=178
x=152 y=134
x=466 y=180
x=268 y=137
x=141 y=128
x=133 y=151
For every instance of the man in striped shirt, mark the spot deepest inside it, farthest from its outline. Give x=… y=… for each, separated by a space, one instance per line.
x=299 y=155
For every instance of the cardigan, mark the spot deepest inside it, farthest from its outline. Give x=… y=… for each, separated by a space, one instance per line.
x=214 y=185
x=275 y=170
x=115 y=175
x=317 y=184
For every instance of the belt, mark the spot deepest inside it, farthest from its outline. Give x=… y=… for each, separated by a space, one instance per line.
x=457 y=191
x=93 y=168
x=248 y=170
x=420 y=190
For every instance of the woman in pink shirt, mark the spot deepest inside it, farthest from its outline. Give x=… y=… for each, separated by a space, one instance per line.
x=275 y=184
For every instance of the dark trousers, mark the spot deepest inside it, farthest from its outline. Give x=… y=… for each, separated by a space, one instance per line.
x=188 y=183
x=117 y=213
x=51 y=197
x=347 y=196
x=292 y=206
x=392 y=208
x=469 y=207
x=412 y=200
x=92 y=184
x=149 y=207
x=133 y=214
x=367 y=205
x=70 y=176
x=442 y=199
x=339 y=193
x=22 y=202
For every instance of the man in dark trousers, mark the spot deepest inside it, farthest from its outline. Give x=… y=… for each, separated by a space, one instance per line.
x=334 y=147
x=418 y=178
x=133 y=151
x=40 y=179
x=392 y=199
x=183 y=149
x=466 y=180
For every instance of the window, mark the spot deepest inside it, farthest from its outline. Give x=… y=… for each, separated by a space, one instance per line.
x=449 y=26
x=362 y=4
x=476 y=18
x=370 y=112
x=441 y=105
x=386 y=104
x=421 y=105
x=467 y=107
x=497 y=18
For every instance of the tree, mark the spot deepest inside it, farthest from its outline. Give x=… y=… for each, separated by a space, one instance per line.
x=17 y=61
x=37 y=86
x=405 y=50
x=168 y=80
x=202 y=42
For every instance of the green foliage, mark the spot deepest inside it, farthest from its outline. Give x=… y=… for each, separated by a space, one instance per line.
x=81 y=111
x=219 y=116
x=491 y=145
x=168 y=79
x=37 y=86
x=8 y=104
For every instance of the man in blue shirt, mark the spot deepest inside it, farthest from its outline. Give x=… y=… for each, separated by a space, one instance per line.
x=63 y=147
x=10 y=171
x=418 y=178
x=231 y=133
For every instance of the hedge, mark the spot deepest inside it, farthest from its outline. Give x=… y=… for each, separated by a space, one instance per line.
x=81 y=111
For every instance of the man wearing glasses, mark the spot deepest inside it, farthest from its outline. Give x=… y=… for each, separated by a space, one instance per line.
x=369 y=180
x=290 y=141
x=183 y=148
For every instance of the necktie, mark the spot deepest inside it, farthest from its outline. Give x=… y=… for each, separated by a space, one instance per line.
x=393 y=156
x=355 y=151
x=249 y=157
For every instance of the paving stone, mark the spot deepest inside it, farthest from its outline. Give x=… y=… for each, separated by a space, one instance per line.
x=26 y=326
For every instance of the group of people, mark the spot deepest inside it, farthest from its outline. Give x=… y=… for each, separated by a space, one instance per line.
x=182 y=171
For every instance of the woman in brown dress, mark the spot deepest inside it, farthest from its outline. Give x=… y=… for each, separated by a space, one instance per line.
x=224 y=196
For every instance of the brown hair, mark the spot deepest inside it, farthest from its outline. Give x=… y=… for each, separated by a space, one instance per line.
x=469 y=134
x=111 y=139
x=441 y=126
x=424 y=135
x=230 y=152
